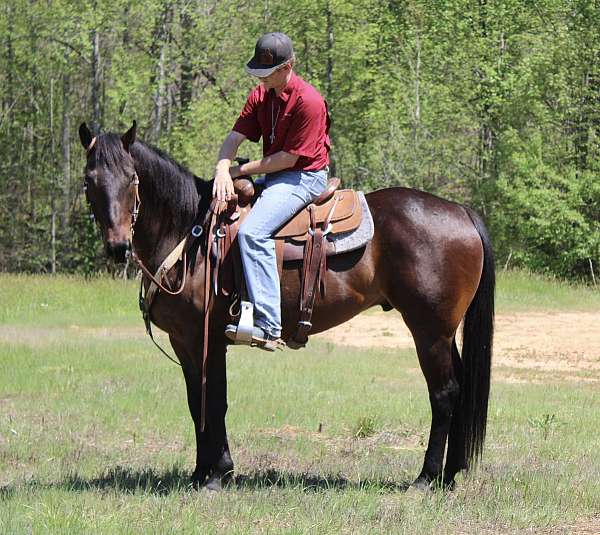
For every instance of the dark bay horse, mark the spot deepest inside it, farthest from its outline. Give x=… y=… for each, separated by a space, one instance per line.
x=430 y=259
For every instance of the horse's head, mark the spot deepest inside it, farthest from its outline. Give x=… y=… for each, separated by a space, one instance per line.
x=111 y=187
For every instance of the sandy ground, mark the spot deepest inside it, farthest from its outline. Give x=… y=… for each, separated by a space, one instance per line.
x=546 y=341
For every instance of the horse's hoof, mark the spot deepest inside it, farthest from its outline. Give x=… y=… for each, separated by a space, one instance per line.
x=214 y=483
x=421 y=484
x=217 y=481
x=449 y=485
x=199 y=477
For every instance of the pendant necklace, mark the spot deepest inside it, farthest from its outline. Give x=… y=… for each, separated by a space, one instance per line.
x=273 y=121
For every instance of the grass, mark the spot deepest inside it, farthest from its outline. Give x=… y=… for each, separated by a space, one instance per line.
x=95 y=434
x=519 y=291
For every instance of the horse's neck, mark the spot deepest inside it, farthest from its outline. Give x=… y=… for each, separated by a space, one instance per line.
x=159 y=227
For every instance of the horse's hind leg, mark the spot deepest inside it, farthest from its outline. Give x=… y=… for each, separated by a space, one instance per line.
x=435 y=358
x=456 y=456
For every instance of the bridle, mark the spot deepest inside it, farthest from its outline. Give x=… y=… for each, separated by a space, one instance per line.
x=135 y=182
x=135 y=210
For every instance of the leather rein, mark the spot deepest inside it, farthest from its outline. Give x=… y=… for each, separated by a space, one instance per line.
x=178 y=254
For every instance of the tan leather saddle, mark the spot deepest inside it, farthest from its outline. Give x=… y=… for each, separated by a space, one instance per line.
x=302 y=238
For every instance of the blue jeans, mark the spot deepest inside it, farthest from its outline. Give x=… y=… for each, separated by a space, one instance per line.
x=285 y=193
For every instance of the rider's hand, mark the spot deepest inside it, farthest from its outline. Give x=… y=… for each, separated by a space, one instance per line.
x=223 y=185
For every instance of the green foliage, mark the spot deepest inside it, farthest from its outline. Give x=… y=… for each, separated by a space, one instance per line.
x=494 y=104
x=545 y=424
x=548 y=221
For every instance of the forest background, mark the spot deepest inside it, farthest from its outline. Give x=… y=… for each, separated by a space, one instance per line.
x=492 y=103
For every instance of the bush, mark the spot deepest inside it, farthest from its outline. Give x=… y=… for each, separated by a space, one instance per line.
x=549 y=220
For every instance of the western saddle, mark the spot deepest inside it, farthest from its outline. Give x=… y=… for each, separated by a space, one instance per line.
x=302 y=238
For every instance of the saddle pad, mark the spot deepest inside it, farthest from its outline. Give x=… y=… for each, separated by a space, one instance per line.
x=342 y=242
x=346 y=207
x=356 y=238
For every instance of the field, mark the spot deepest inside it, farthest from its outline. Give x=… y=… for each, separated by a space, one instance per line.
x=95 y=435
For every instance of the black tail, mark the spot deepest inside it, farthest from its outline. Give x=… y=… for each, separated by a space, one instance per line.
x=478 y=332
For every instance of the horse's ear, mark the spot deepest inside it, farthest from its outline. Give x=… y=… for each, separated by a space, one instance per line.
x=85 y=136
x=129 y=137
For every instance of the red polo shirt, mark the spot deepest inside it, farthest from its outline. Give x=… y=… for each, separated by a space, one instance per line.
x=297 y=118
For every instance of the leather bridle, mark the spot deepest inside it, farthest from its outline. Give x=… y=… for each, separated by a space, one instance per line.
x=135 y=210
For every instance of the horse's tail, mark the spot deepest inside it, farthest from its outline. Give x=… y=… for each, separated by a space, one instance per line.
x=478 y=330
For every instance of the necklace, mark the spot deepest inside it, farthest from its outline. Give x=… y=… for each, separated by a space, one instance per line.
x=273 y=121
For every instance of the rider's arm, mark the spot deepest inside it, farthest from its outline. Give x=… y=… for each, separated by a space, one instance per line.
x=269 y=164
x=223 y=185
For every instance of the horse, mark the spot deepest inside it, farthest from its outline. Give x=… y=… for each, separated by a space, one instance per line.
x=430 y=259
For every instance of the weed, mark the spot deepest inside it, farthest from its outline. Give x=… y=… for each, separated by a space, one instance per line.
x=366 y=426
x=544 y=423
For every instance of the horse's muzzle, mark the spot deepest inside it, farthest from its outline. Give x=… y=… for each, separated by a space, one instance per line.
x=117 y=250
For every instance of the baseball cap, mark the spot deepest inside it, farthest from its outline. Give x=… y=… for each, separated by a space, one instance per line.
x=272 y=50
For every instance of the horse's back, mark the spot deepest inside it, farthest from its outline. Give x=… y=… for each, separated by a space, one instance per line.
x=420 y=212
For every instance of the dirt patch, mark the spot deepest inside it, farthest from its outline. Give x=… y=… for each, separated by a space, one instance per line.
x=545 y=341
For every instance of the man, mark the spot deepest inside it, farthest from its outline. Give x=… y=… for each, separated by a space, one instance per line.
x=291 y=117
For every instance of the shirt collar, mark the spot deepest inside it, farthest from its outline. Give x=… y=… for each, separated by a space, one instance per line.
x=289 y=88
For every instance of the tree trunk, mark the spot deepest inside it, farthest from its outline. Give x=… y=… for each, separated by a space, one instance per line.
x=65 y=149
x=95 y=81
x=417 y=110
x=159 y=45
x=329 y=79
x=10 y=60
x=159 y=96
x=187 y=76
x=52 y=183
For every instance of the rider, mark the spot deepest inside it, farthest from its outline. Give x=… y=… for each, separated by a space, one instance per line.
x=291 y=117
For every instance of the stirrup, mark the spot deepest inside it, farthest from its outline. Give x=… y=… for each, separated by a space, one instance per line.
x=259 y=338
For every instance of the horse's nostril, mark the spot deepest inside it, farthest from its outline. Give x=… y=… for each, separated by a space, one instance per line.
x=118 y=250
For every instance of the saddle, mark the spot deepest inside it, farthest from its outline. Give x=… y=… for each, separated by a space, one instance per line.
x=301 y=239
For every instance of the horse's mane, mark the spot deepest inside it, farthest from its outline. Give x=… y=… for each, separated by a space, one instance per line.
x=173 y=190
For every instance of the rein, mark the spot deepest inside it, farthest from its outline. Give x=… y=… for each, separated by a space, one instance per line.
x=179 y=253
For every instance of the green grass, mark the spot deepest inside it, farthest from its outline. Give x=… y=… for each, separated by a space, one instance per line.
x=519 y=291
x=95 y=434
x=68 y=300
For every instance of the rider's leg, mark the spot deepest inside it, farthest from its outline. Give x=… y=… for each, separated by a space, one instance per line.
x=285 y=194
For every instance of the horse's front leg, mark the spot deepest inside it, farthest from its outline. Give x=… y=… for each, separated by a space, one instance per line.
x=213 y=461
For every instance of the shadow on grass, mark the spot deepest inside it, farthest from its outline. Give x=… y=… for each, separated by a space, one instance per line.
x=148 y=481
x=126 y=480
x=311 y=482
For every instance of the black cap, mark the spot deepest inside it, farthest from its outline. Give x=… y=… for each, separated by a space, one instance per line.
x=272 y=50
